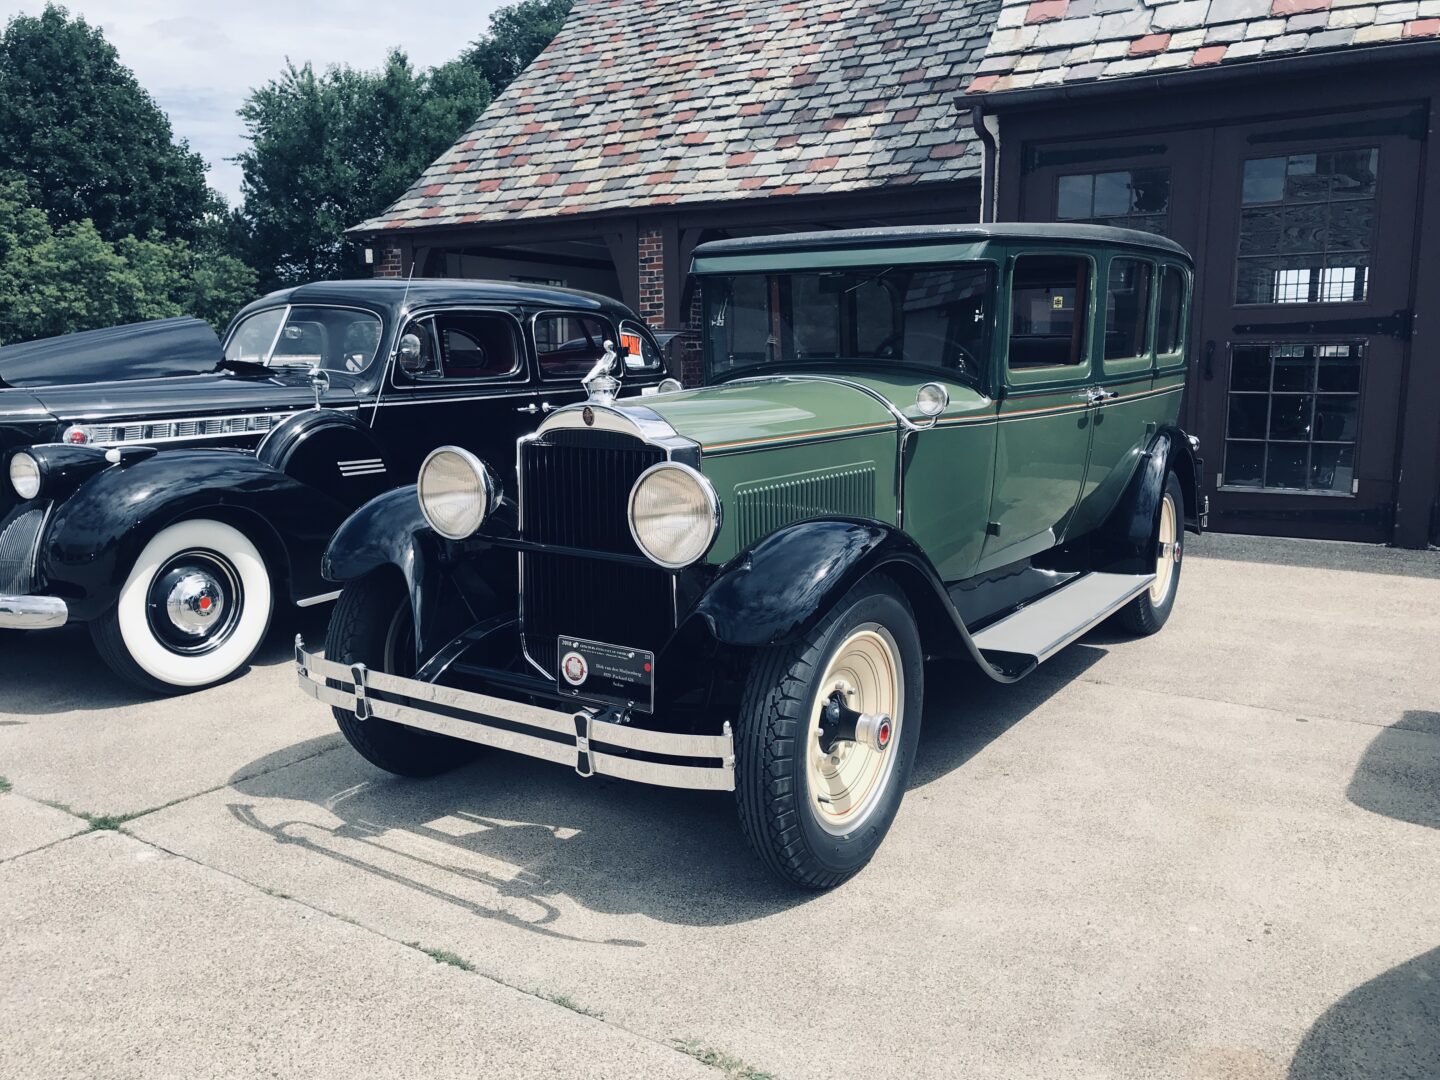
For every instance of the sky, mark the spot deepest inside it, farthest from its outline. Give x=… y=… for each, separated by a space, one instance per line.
x=199 y=58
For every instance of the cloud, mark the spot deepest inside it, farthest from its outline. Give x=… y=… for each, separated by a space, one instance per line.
x=199 y=58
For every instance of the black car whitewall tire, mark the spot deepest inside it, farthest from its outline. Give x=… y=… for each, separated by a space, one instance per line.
x=1149 y=611
x=192 y=611
x=372 y=625
x=816 y=818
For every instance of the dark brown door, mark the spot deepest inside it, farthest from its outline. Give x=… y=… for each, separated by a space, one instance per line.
x=1306 y=262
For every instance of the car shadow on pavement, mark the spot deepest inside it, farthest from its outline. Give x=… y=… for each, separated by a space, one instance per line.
x=43 y=672
x=520 y=841
x=1390 y=1026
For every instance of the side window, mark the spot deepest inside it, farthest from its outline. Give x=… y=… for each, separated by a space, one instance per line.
x=1170 y=333
x=640 y=352
x=1049 y=311
x=476 y=346
x=1127 y=309
x=568 y=345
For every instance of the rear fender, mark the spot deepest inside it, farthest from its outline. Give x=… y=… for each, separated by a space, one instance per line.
x=96 y=534
x=1128 y=541
x=778 y=590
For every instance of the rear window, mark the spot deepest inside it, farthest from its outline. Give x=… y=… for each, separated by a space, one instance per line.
x=1127 y=309
x=1171 y=329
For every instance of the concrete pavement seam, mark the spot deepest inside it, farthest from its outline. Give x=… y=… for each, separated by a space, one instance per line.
x=671 y=1047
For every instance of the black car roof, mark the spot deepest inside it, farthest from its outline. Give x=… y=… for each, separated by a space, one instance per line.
x=941 y=234
x=390 y=293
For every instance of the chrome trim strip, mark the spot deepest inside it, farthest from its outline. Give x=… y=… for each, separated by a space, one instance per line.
x=323 y=598
x=32 y=612
x=581 y=728
x=147 y=432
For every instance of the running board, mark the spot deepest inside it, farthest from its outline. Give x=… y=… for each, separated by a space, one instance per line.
x=1042 y=629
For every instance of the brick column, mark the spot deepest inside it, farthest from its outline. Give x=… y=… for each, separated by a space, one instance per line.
x=387 y=261
x=652 y=277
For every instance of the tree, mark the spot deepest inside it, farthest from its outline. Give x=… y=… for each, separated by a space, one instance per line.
x=91 y=141
x=329 y=150
x=518 y=34
x=59 y=280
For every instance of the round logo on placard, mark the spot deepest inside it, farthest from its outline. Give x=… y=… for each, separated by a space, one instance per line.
x=574 y=668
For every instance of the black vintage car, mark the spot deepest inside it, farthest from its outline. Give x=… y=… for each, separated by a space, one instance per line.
x=168 y=489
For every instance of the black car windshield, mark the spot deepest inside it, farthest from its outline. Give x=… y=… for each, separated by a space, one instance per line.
x=338 y=339
x=933 y=316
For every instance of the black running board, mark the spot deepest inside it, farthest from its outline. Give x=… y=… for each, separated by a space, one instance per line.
x=1042 y=629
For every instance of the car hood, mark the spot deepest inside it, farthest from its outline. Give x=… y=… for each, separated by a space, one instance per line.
x=216 y=394
x=753 y=412
x=136 y=351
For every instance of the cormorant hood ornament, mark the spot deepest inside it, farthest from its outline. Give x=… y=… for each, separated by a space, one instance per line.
x=601 y=383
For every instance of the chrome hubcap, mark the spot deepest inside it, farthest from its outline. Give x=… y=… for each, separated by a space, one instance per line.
x=194 y=602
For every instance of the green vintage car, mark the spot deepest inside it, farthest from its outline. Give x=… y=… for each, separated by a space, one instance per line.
x=910 y=443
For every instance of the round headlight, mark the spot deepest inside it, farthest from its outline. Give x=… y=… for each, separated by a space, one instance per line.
x=674 y=514
x=25 y=476
x=456 y=492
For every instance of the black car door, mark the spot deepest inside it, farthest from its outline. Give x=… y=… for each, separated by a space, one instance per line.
x=469 y=383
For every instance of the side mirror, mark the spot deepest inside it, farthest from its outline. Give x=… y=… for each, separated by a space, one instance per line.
x=411 y=354
x=319 y=383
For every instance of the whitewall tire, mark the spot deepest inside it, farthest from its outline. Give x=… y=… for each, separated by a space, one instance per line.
x=193 y=610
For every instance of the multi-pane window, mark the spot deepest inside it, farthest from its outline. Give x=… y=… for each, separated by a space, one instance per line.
x=1292 y=416
x=1307 y=226
x=1128 y=198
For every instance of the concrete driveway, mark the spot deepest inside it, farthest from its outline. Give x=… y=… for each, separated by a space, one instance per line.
x=1210 y=854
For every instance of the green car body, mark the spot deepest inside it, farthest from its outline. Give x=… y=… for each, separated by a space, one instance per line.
x=909 y=443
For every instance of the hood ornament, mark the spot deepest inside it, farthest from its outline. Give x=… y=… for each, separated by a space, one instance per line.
x=601 y=383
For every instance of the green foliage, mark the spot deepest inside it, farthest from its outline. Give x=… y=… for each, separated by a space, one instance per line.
x=92 y=142
x=518 y=34
x=329 y=150
x=59 y=280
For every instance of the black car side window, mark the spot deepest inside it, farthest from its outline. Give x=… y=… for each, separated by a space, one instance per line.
x=568 y=345
x=474 y=346
x=1049 y=309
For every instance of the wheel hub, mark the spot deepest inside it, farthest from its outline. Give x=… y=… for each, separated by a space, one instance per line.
x=195 y=603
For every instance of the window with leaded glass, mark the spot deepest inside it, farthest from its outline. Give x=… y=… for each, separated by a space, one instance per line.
x=1128 y=198
x=1307 y=226
x=1292 y=417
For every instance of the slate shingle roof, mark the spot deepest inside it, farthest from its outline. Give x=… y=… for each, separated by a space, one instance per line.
x=1047 y=42
x=642 y=103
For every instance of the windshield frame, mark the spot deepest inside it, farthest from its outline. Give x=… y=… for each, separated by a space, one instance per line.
x=268 y=360
x=865 y=271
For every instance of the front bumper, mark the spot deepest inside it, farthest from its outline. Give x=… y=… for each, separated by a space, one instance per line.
x=573 y=737
x=32 y=612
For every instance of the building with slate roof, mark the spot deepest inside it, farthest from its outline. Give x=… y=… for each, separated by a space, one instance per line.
x=649 y=125
x=1291 y=146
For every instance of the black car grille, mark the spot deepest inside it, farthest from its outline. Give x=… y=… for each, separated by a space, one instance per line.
x=574 y=492
x=18 y=532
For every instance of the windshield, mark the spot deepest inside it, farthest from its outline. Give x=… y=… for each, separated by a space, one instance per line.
x=338 y=339
x=934 y=316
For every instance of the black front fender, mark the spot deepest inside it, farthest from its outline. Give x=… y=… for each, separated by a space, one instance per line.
x=96 y=534
x=778 y=590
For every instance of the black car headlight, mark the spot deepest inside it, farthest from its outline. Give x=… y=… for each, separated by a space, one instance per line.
x=456 y=492
x=674 y=514
x=26 y=476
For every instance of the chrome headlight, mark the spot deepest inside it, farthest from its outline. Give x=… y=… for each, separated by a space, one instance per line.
x=674 y=514
x=456 y=492
x=25 y=476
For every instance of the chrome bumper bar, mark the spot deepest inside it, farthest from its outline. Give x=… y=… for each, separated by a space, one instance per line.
x=575 y=738
x=32 y=612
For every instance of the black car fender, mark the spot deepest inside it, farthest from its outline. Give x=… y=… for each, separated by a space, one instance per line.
x=779 y=589
x=95 y=535
x=1129 y=538
x=331 y=451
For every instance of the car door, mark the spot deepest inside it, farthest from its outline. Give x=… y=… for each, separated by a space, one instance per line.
x=1044 y=417
x=1126 y=408
x=471 y=385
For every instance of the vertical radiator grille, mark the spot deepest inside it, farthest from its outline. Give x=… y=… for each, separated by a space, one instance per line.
x=574 y=492
x=18 y=532
x=767 y=505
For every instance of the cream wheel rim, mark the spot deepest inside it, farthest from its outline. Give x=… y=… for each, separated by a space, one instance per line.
x=846 y=785
x=1168 y=556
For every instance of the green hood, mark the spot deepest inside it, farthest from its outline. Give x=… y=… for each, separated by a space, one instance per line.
x=776 y=410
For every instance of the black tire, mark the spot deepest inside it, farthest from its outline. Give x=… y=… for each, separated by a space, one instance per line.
x=772 y=736
x=371 y=625
x=1147 y=613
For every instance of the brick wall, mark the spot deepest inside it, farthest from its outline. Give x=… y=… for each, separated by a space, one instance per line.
x=387 y=262
x=652 y=277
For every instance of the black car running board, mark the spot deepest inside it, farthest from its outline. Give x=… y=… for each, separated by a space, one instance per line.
x=1042 y=629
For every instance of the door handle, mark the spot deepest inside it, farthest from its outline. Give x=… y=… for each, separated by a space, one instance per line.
x=530 y=409
x=1098 y=394
x=546 y=407
x=1209 y=370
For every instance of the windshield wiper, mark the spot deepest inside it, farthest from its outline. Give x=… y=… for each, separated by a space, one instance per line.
x=241 y=367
